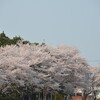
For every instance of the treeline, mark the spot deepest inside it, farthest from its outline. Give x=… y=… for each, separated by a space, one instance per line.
x=5 y=40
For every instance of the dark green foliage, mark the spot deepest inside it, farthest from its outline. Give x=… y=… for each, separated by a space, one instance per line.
x=43 y=44
x=36 y=43
x=26 y=42
x=15 y=39
x=4 y=40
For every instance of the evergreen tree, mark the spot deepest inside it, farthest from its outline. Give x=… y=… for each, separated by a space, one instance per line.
x=4 y=40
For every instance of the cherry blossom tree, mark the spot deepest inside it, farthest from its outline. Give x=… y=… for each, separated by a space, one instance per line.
x=14 y=61
x=95 y=79
x=41 y=67
x=63 y=65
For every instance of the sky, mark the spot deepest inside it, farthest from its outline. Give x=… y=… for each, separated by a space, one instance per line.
x=56 y=22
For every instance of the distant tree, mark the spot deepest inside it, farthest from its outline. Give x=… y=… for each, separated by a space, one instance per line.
x=15 y=39
x=36 y=43
x=4 y=40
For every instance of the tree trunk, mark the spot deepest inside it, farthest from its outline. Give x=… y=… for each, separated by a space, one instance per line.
x=26 y=97
x=55 y=96
x=44 y=93
x=51 y=96
x=95 y=95
x=65 y=97
x=84 y=96
x=33 y=96
x=44 y=97
x=39 y=96
x=29 y=97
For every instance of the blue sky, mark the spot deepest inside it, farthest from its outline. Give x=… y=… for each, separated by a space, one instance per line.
x=71 y=22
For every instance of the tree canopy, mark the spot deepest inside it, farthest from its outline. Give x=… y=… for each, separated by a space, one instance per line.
x=42 y=66
x=5 y=40
x=38 y=67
